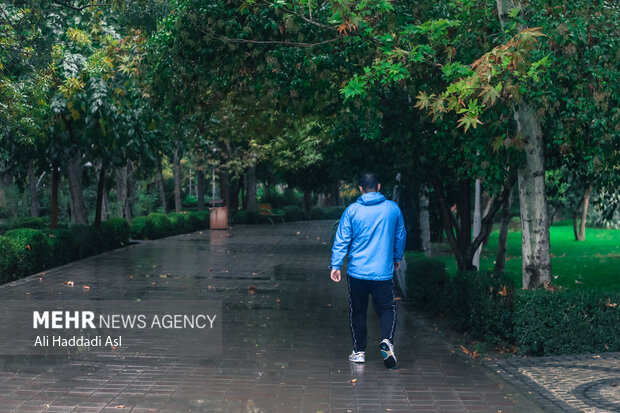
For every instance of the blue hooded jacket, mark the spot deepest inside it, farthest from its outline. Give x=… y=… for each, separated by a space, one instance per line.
x=372 y=232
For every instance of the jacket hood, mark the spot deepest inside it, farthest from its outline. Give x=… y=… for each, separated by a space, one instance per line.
x=371 y=198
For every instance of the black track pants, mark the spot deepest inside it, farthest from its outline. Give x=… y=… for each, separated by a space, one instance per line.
x=382 y=293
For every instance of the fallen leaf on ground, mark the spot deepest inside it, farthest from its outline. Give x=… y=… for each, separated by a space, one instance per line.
x=578 y=282
x=154 y=282
x=278 y=301
x=68 y=283
x=252 y=289
x=397 y=298
x=120 y=406
x=27 y=292
x=504 y=292
x=596 y=357
x=610 y=304
x=163 y=276
x=353 y=380
x=86 y=287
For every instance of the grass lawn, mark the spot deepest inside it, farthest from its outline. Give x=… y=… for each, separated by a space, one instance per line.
x=595 y=262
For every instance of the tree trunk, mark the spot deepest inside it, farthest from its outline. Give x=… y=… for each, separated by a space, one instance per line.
x=502 y=242
x=105 y=210
x=160 y=186
x=32 y=184
x=4 y=183
x=226 y=191
x=100 y=190
x=74 y=172
x=580 y=228
x=308 y=203
x=121 y=190
x=234 y=195
x=176 y=170
x=425 y=225
x=536 y=249
x=200 y=189
x=251 y=189
x=486 y=202
x=54 y=201
x=533 y=202
x=131 y=193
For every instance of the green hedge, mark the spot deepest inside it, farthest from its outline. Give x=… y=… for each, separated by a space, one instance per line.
x=26 y=251
x=88 y=240
x=64 y=246
x=482 y=303
x=32 y=251
x=8 y=260
x=115 y=233
x=562 y=322
x=30 y=222
x=327 y=212
x=294 y=213
x=428 y=284
x=540 y=322
x=157 y=225
x=246 y=217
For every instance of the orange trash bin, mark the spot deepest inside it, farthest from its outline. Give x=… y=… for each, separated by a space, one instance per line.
x=218 y=217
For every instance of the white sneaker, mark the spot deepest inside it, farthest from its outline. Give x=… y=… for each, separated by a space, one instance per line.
x=358 y=357
x=387 y=351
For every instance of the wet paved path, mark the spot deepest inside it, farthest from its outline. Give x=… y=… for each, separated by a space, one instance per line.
x=285 y=337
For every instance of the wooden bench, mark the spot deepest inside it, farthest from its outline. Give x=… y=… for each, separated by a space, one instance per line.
x=268 y=214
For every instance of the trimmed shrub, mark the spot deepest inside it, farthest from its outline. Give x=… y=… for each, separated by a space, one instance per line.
x=137 y=227
x=115 y=233
x=327 y=212
x=63 y=247
x=482 y=303
x=562 y=322
x=30 y=222
x=88 y=240
x=8 y=260
x=32 y=250
x=177 y=222
x=195 y=222
x=203 y=216
x=428 y=284
x=294 y=213
x=157 y=226
x=245 y=216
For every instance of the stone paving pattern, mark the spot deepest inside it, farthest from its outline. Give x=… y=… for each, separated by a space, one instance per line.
x=581 y=383
x=286 y=337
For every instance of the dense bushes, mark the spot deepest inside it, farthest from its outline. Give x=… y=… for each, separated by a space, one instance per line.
x=8 y=260
x=572 y=321
x=157 y=225
x=540 y=322
x=327 y=212
x=115 y=232
x=428 y=284
x=32 y=251
x=294 y=213
x=246 y=216
x=25 y=251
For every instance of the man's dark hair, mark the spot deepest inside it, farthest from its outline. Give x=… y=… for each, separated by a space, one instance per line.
x=369 y=182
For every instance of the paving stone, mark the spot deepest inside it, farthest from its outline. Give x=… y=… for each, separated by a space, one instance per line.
x=285 y=347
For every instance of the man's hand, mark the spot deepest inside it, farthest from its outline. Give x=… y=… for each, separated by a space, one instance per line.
x=335 y=275
x=396 y=265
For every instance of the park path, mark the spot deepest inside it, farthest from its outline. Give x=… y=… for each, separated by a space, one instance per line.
x=285 y=337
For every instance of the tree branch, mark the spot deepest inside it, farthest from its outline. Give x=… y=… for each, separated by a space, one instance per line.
x=487 y=221
x=78 y=8
x=301 y=16
x=269 y=42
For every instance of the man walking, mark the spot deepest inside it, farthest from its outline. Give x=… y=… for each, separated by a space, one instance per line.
x=372 y=233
